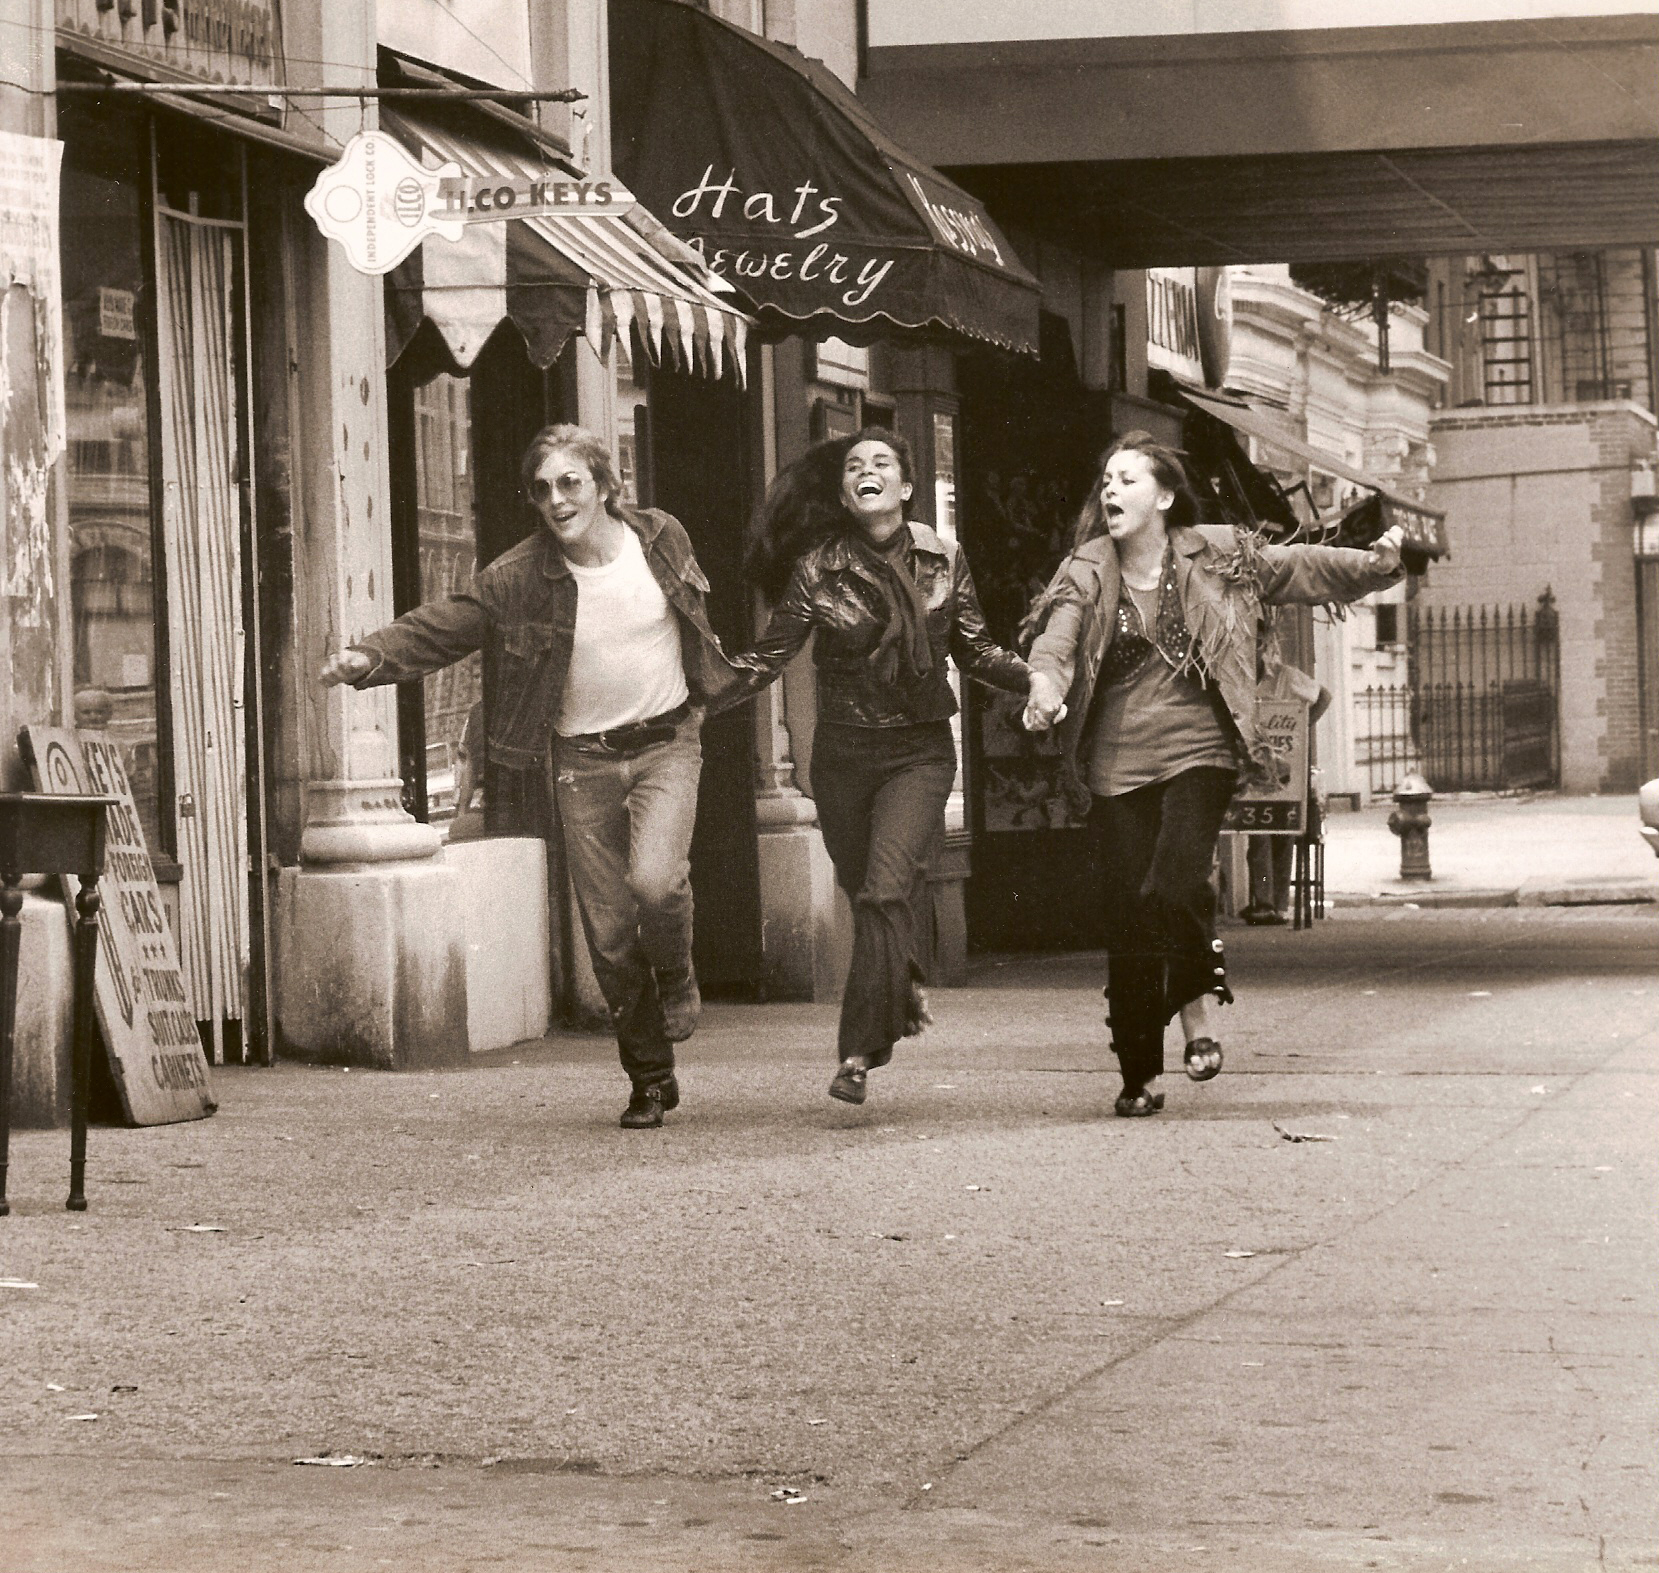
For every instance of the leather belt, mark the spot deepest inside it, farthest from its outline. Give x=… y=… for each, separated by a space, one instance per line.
x=635 y=736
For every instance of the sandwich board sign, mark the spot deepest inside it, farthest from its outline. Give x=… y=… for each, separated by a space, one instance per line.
x=149 y=1028
x=1282 y=809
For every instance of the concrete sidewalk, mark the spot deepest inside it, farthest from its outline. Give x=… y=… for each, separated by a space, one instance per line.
x=1487 y=850
x=1381 y=1296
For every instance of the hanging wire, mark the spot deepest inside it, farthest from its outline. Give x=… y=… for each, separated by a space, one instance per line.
x=563 y=95
x=48 y=31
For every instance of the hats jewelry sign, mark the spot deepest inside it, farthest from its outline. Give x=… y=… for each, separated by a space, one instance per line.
x=149 y=1028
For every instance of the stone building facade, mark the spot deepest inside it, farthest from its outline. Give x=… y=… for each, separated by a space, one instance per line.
x=1545 y=459
x=1541 y=497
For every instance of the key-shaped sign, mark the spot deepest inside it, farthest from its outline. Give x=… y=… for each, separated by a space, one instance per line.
x=380 y=202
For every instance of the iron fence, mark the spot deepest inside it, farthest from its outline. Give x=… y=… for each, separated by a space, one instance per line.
x=1481 y=708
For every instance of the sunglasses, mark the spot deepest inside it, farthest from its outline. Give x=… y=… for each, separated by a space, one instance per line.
x=542 y=490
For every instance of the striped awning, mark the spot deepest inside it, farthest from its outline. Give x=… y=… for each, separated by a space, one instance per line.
x=556 y=275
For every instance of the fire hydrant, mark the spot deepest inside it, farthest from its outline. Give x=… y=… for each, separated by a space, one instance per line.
x=1410 y=822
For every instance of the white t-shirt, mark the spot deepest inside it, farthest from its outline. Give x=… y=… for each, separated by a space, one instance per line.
x=625 y=664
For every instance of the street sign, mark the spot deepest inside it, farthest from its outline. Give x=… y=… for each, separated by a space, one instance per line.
x=380 y=202
x=149 y=1028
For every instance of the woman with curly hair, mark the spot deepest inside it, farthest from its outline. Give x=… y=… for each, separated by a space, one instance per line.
x=889 y=601
x=1149 y=630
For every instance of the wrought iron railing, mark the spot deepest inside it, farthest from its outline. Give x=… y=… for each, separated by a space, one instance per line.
x=1481 y=710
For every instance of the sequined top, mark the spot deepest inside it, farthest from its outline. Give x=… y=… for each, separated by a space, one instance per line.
x=1128 y=650
x=1155 y=715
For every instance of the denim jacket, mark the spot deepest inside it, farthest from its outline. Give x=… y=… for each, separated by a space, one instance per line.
x=833 y=592
x=1225 y=577
x=521 y=611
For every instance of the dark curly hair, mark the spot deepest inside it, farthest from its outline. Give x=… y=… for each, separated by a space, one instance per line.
x=802 y=507
x=1168 y=468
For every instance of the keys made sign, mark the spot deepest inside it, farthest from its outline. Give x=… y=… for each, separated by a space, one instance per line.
x=149 y=1029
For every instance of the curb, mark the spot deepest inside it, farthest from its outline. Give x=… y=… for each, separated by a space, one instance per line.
x=1425 y=896
x=1580 y=893
x=1587 y=893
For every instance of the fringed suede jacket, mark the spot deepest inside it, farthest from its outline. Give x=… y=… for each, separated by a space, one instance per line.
x=1223 y=577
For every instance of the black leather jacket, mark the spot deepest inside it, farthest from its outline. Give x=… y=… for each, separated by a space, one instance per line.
x=521 y=611
x=833 y=592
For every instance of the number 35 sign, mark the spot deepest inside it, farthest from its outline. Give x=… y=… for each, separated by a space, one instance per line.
x=1281 y=810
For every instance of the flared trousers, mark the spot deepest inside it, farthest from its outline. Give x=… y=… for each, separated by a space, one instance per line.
x=1154 y=849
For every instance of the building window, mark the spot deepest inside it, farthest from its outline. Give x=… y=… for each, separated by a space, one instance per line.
x=1388 y=624
x=1595 y=306
x=840 y=364
x=944 y=474
x=1506 y=347
x=448 y=544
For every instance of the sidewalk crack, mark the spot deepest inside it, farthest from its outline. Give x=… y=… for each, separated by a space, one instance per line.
x=1176 y=1327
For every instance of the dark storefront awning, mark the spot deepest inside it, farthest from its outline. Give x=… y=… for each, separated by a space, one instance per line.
x=764 y=161
x=1425 y=527
x=556 y=275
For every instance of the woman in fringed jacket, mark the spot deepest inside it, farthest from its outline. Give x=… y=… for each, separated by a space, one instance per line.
x=1149 y=629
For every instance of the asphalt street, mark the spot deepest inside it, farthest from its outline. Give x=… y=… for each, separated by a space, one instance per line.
x=977 y=1324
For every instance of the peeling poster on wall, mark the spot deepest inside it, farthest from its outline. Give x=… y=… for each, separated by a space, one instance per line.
x=31 y=363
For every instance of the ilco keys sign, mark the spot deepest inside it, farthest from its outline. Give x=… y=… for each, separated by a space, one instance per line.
x=380 y=202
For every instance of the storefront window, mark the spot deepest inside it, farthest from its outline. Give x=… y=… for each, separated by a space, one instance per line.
x=111 y=569
x=944 y=474
x=943 y=434
x=447 y=526
x=196 y=174
x=1021 y=515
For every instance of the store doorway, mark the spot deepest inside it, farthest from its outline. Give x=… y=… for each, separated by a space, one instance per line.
x=1031 y=436
x=454 y=445
x=214 y=688
x=698 y=469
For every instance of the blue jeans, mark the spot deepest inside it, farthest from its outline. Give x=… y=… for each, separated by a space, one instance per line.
x=881 y=793
x=627 y=823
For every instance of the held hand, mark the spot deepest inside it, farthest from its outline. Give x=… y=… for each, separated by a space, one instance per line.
x=346 y=666
x=1044 y=704
x=1385 y=550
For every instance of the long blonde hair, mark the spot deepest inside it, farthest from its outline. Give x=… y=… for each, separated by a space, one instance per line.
x=1168 y=469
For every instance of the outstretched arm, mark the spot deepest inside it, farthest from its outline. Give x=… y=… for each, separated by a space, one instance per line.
x=1054 y=651
x=971 y=645
x=416 y=644
x=1313 y=575
x=787 y=629
x=977 y=654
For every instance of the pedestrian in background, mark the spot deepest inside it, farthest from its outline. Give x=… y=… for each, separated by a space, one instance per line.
x=889 y=601
x=603 y=654
x=1149 y=629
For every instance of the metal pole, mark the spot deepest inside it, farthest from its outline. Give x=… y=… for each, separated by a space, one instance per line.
x=87 y=903
x=497 y=95
x=11 y=936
